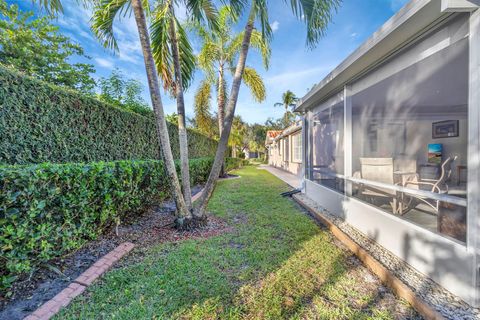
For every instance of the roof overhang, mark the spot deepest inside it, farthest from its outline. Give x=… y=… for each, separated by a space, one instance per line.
x=294 y=128
x=459 y=5
x=412 y=20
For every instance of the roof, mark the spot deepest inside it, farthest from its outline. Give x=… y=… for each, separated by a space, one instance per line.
x=271 y=135
x=405 y=26
x=275 y=135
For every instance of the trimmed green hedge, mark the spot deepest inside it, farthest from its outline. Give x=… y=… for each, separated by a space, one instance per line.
x=40 y=122
x=48 y=210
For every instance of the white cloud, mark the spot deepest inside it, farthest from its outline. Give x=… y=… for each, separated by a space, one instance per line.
x=275 y=25
x=106 y=63
x=354 y=35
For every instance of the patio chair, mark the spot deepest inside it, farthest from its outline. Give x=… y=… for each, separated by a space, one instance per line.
x=378 y=170
x=433 y=185
x=405 y=169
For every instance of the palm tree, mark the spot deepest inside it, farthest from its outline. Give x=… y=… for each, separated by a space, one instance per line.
x=315 y=13
x=217 y=59
x=288 y=100
x=105 y=12
x=175 y=62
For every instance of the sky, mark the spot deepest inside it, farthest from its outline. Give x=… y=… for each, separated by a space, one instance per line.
x=292 y=66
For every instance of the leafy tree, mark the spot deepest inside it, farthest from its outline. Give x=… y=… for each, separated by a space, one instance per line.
x=257 y=134
x=173 y=117
x=35 y=47
x=315 y=13
x=289 y=99
x=124 y=93
x=220 y=48
x=238 y=136
x=281 y=123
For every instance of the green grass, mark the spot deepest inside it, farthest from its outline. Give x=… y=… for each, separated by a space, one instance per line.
x=277 y=263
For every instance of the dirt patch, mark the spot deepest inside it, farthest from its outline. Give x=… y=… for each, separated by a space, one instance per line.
x=153 y=227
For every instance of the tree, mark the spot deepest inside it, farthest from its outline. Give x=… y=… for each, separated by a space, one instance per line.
x=315 y=13
x=204 y=121
x=238 y=136
x=176 y=64
x=102 y=24
x=35 y=47
x=217 y=59
x=105 y=12
x=220 y=48
x=172 y=118
x=256 y=137
x=289 y=99
x=123 y=93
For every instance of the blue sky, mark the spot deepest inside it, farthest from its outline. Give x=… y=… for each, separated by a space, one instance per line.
x=293 y=66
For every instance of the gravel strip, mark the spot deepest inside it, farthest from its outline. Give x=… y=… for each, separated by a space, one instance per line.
x=449 y=305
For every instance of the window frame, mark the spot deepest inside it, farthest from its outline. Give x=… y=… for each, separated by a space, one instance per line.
x=296 y=147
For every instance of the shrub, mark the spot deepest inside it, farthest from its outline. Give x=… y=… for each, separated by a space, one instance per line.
x=48 y=210
x=40 y=122
x=233 y=163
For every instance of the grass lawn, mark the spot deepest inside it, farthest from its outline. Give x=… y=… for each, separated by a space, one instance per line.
x=277 y=263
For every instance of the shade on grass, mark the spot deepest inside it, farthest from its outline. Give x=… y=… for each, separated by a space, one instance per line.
x=277 y=263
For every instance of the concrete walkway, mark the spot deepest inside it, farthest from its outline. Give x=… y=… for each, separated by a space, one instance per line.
x=285 y=176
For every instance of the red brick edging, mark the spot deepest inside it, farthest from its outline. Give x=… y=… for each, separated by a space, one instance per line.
x=76 y=288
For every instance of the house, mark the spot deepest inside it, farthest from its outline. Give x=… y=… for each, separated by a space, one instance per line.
x=284 y=148
x=391 y=141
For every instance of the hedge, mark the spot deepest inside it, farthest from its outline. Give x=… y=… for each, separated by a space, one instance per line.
x=48 y=210
x=40 y=122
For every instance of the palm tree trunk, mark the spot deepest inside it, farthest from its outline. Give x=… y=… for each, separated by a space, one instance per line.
x=182 y=129
x=161 y=125
x=221 y=108
x=221 y=100
x=230 y=112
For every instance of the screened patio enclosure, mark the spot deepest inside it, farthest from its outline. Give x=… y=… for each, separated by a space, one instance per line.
x=391 y=141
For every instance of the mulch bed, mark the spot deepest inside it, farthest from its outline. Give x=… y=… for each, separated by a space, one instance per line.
x=153 y=227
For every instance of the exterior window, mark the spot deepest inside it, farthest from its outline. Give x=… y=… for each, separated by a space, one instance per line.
x=285 y=149
x=297 y=147
x=327 y=153
x=410 y=130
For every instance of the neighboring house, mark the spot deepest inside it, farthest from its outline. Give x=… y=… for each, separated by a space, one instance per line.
x=392 y=141
x=284 y=148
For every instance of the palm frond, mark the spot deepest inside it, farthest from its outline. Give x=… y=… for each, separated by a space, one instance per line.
x=255 y=83
x=236 y=6
x=202 y=106
x=104 y=14
x=55 y=6
x=162 y=54
x=159 y=34
x=316 y=14
x=203 y=10
x=257 y=41
x=207 y=56
x=260 y=8
x=187 y=57
x=52 y=6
